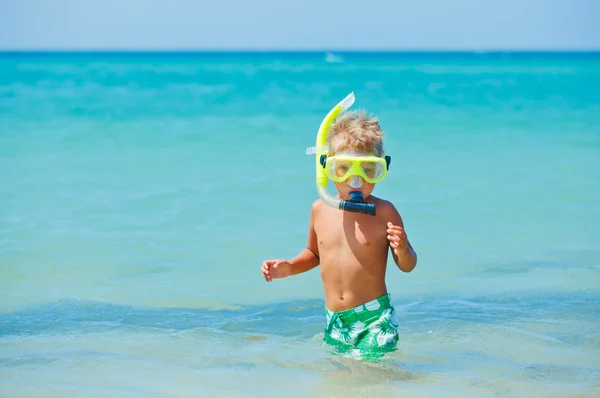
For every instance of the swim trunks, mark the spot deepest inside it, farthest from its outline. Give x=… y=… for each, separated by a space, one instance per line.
x=367 y=327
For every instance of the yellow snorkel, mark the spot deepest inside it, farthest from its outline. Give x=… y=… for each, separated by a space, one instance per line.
x=356 y=203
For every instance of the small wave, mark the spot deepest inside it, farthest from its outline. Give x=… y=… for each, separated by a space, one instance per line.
x=332 y=58
x=74 y=316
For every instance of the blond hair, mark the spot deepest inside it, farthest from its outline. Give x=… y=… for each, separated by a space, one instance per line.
x=354 y=130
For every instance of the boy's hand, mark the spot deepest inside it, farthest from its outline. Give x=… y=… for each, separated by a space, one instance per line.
x=272 y=269
x=397 y=238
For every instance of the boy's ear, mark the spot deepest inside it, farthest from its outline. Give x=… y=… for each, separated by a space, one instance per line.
x=388 y=160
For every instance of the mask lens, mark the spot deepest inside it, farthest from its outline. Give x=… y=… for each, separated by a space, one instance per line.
x=340 y=168
x=373 y=170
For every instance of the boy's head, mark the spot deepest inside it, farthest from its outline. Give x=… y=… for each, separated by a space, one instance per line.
x=355 y=131
x=355 y=134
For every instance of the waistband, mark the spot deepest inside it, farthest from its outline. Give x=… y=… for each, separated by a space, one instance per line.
x=373 y=305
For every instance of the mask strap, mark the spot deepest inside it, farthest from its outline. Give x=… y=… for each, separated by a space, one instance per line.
x=323 y=160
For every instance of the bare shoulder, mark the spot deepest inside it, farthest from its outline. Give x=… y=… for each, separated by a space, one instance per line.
x=317 y=206
x=386 y=210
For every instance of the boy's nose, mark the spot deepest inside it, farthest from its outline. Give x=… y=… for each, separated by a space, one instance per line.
x=355 y=181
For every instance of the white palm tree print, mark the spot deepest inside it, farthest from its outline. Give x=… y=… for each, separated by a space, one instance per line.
x=385 y=328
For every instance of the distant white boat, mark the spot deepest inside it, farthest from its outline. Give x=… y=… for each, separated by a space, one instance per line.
x=333 y=59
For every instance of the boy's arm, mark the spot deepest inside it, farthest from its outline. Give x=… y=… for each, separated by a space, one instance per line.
x=304 y=261
x=406 y=258
x=308 y=258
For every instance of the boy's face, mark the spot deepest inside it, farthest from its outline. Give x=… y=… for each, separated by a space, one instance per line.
x=355 y=183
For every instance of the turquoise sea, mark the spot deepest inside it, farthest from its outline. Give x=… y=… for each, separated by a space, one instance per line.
x=140 y=192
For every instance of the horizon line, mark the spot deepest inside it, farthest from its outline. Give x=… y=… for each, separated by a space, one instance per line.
x=283 y=51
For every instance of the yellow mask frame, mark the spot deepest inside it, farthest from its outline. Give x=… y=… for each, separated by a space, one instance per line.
x=340 y=167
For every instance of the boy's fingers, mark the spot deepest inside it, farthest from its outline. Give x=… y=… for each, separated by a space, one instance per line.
x=398 y=234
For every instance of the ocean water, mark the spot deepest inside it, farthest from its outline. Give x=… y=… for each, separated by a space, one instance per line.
x=139 y=194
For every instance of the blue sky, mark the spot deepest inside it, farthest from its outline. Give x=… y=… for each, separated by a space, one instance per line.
x=301 y=25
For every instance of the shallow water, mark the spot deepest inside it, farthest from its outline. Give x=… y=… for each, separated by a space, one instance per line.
x=141 y=193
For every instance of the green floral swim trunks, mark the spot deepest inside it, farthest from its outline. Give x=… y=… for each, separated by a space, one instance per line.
x=367 y=328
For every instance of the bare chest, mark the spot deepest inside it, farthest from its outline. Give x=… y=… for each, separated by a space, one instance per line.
x=359 y=232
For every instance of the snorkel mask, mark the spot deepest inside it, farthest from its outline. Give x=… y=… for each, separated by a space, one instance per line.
x=342 y=166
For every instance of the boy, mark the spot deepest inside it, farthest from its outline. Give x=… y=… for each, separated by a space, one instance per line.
x=352 y=248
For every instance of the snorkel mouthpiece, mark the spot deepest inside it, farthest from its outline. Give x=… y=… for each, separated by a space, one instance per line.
x=356 y=204
x=356 y=196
